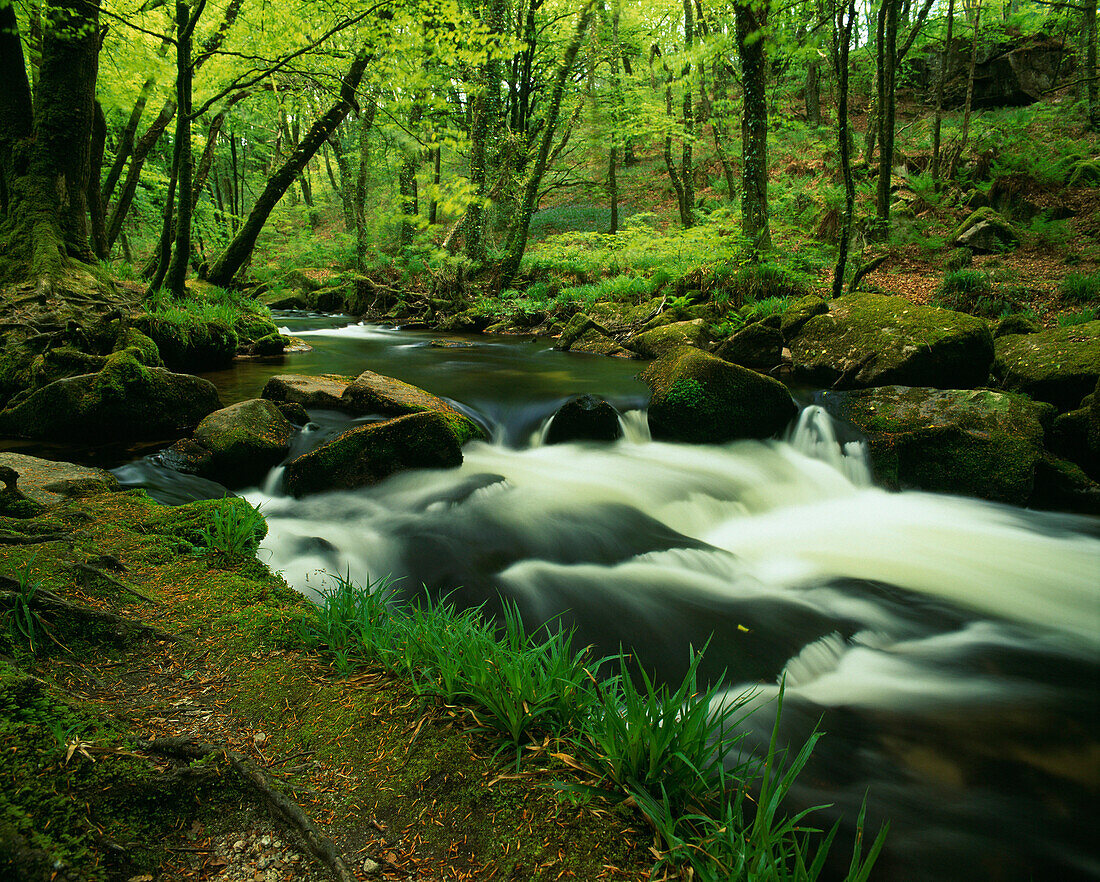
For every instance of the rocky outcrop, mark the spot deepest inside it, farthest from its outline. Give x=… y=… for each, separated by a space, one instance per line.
x=866 y=340
x=657 y=341
x=319 y=393
x=584 y=418
x=48 y=483
x=699 y=398
x=799 y=312
x=582 y=334
x=367 y=454
x=125 y=400
x=1061 y=365
x=758 y=346
x=374 y=393
x=198 y=345
x=236 y=445
x=986 y=232
x=968 y=442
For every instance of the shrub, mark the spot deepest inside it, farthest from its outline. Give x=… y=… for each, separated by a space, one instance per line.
x=963 y=289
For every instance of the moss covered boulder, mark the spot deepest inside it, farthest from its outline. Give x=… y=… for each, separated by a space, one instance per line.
x=125 y=400
x=243 y=441
x=699 y=398
x=48 y=483
x=1061 y=365
x=758 y=346
x=374 y=393
x=190 y=343
x=985 y=232
x=866 y=340
x=656 y=342
x=968 y=442
x=367 y=454
x=799 y=312
x=582 y=334
x=320 y=393
x=584 y=418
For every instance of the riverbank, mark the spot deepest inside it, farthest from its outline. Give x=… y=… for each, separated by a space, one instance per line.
x=143 y=630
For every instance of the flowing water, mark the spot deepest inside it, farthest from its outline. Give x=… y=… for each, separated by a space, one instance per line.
x=949 y=648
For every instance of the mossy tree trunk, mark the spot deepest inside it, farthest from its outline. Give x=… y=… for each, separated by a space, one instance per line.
x=45 y=149
x=752 y=19
x=842 y=41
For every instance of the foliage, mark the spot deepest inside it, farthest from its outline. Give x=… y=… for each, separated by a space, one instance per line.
x=964 y=289
x=1081 y=317
x=22 y=621
x=234 y=529
x=666 y=747
x=1080 y=287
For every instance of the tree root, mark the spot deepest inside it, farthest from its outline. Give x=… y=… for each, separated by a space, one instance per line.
x=33 y=539
x=323 y=848
x=107 y=577
x=47 y=601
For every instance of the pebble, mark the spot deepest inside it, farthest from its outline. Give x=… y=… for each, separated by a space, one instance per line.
x=371 y=867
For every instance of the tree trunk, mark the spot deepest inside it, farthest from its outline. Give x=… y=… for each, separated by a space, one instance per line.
x=616 y=119
x=95 y=199
x=16 y=109
x=842 y=43
x=410 y=163
x=965 y=135
x=240 y=249
x=437 y=163
x=813 y=95
x=687 y=167
x=344 y=189
x=887 y=108
x=366 y=123
x=752 y=18
x=1090 y=66
x=141 y=152
x=185 y=27
x=485 y=125
x=937 y=126
x=517 y=242
x=48 y=172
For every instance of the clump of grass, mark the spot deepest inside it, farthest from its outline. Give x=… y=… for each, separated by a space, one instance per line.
x=1080 y=317
x=1080 y=287
x=234 y=529
x=666 y=747
x=963 y=289
x=22 y=621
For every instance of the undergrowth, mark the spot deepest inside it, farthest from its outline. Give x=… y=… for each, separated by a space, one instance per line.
x=667 y=748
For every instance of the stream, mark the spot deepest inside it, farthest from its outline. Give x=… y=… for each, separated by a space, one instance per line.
x=949 y=648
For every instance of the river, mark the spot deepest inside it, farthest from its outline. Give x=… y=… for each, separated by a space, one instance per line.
x=949 y=648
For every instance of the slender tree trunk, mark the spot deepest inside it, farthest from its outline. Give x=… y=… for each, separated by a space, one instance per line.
x=517 y=242
x=141 y=152
x=433 y=206
x=965 y=134
x=752 y=18
x=616 y=119
x=240 y=249
x=485 y=126
x=887 y=108
x=1091 y=72
x=813 y=94
x=410 y=163
x=843 y=39
x=366 y=123
x=95 y=199
x=126 y=142
x=687 y=166
x=345 y=189
x=16 y=107
x=185 y=27
x=940 y=84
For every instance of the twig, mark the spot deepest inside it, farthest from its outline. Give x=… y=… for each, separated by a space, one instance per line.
x=88 y=568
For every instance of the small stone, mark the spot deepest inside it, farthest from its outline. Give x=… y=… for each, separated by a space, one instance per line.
x=265 y=842
x=370 y=867
x=260 y=739
x=238 y=845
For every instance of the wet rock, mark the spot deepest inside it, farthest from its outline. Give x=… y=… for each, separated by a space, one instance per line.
x=1063 y=486
x=758 y=346
x=1060 y=365
x=125 y=400
x=867 y=340
x=656 y=342
x=293 y=411
x=968 y=442
x=585 y=418
x=196 y=346
x=582 y=334
x=699 y=398
x=374 y=393
x=799 y=312
x=244 y=440
x=367 y=454
x=48 y=483
x=323 y=393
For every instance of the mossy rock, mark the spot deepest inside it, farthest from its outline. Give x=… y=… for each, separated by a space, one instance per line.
x=579 y=325
x=245 y=441
x=701 y=399
x=65 y=361
x=867 y=340
x=194 y=345
x=1016 y=323
x=272 y=344
x=1061 y=485
x=973 y=443
x=584 y=418
x=758 y=346
x=251 y=328
x=46 y=482
x=323 y=393
x=1060 y=365
x=372 y=393
x=987 y=231
x=468 y=321
x=799 y=312
x=125 y=400
x=368 y=454
x=658 y=341
x=142 y=347
x=1069 y=438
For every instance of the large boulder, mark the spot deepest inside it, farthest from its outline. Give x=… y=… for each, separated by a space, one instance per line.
x=125 y=400
x=319 y=393
x=986 y=232
x=367 y=454
x=374 y=393
x=582 y=334
x=968 y=442
x=867 y=340
x=243 y=441
x=1061 y=365
x=657 y=341
x=192 y=344
x=584 y=418
x=800 y=311
x=699 y=398
x=758 y=346
x=48 y=483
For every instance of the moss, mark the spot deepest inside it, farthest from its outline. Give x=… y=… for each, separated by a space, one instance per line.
x=142 y=347
x=799 y=312
x=658 y=341
x=1005 y=230
x=1060 y=365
